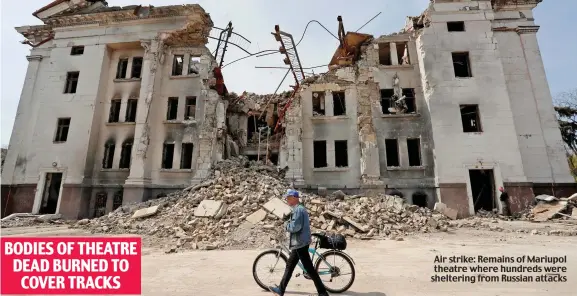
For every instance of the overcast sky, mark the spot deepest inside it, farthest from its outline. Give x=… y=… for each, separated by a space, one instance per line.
x=255 y=19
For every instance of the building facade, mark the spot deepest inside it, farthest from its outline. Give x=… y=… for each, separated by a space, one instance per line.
x=119 y=106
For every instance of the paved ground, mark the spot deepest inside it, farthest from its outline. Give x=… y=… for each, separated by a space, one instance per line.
x=384 y=268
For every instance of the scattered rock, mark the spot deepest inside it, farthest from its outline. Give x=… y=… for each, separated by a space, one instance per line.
x=143 y=213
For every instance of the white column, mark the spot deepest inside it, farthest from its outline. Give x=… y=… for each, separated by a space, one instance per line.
x=140 y=164
x=394 y=54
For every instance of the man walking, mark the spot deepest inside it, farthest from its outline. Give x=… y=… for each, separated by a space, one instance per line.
x=300 y=238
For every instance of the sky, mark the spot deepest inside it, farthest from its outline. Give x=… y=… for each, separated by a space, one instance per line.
x=255 y=20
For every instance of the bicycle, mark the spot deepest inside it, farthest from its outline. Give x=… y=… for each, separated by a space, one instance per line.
x=323 y=242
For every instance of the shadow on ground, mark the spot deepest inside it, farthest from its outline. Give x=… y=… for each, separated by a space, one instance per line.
x=348 y=293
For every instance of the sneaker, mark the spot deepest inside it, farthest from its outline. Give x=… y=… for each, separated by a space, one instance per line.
x=276 y=290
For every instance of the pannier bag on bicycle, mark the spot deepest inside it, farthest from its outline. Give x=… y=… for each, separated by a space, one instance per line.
x=334 y=242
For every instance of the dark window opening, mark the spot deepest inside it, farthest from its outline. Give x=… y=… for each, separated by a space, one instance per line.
x=108 y=156
x=273 y=157
x=255 y=125
x=126 y=155
x=394 y=192
x=62 y=127
x=136 y=67
x=470 y=118
x=420 y=199
x=117 y=200
x=409 y=94
x=190 y=108
x=392 y=150
x=403 y=53
x=186 y=155
x=131 y=106
x=385 y=54
x=167 y=155
x=114 y=114
x=461 y=64
x=483 y=189
x=387 y=100
x=77 y=50
x=339 y=105
x=51 y=193
x=71 y=82
x=193 y=64
x=319 y=103
x=414 y=149
x=320 y=154
x=100 y=204
x=456 y=26
x=341 y=154
x=121 y=68
x=172 y=109
x=177 y=65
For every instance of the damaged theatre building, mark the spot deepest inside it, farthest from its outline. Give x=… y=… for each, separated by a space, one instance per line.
x=125 y=104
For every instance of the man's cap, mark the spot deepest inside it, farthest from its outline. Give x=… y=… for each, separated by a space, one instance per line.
x=292 y=192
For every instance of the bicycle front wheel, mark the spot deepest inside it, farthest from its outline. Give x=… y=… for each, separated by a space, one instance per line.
x=336 y=271
x=268 y=268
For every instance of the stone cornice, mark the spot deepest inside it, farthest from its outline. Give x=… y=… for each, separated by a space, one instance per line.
x=116 y=16
x=518 y=30
x=34 y=58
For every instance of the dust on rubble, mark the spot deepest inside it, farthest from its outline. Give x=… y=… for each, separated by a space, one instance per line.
x=238 y=189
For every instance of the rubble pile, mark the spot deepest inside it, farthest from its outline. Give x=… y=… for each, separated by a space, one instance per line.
x=238 y=207
x=28 y=220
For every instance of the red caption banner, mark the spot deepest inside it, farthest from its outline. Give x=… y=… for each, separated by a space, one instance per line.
x=70 y=265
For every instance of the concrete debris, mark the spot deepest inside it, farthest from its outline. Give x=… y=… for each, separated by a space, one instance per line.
x=27 y=219
x=208 y=208
x=443 y=209
x=545 y=211
x=147 y=212
x=545 y=197
x=241 y=210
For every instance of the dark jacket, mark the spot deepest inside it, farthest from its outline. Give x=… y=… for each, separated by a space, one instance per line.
x=504 y=196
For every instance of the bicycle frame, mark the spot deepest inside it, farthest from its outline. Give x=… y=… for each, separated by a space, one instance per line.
x=313 y=251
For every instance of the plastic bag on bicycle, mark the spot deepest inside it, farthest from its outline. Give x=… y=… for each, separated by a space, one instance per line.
x=333 y=241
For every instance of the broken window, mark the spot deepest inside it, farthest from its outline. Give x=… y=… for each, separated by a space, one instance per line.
x=471 y=118
x=385 y=54
x=62 y=127
x=461 y=64
x=341 y=154
x=172 y=109
x=167 y=155
x=403 y=53
x=193 y=64
x=409 y=94
x=117 y=200
x=108 y=155
x=320 y=154
x=177 y=65
x=186 y=155
x=420 y=199
x=126 y=154
x=414 y=149
x=136 y=67
x=100 y=204
x=121 y=68
x=387 y=100
x=114 y=114
x=255 y=125
x=131 y=106
x=456 y=26
x=392 y=150
x=190 y=108
x=318 y=103
x=339 y=105
x=71 y=82
x=77 y=50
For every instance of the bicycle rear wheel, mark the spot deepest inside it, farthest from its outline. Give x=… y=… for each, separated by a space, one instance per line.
x=339 y=275
x=268 y=268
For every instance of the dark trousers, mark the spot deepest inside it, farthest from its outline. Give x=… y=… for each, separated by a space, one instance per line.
x=302 y=254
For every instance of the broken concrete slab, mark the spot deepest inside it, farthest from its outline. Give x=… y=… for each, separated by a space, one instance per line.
x=48 y=217
x=355 y=224
x=146 y=212
x=222 y=211
x=277 y=207
x=572 y=197
x=545 y=197
x=574 y=213
x=257 y=216
x=332 y=215
x=443 y=209
x=18 y=215
x=208 y=208
x=545 y=211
